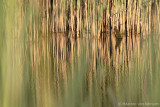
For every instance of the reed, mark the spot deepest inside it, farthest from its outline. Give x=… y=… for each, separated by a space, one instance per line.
x=88 y=16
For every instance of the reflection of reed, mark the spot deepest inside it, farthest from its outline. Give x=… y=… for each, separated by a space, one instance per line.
x=56 y=57
x=61 y=71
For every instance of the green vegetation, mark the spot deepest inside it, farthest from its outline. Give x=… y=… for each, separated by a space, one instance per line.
x=41 y=66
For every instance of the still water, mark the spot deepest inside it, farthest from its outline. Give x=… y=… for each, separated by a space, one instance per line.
x=57 y=71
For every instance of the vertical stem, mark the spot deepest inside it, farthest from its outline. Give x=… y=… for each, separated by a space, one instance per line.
x=83 y=13
x=47 y=16
x=75 y=18
x=126 y=28
x=135 y=23
x=110 y=12
x=140 y=21
x=126 y=18
x=104 y=20
x=86 y=13
x=148 y=19
x=68 y=17
x=50 y=11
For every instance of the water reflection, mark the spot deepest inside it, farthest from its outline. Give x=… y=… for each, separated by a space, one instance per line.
x=64 y=72
x=67 y=72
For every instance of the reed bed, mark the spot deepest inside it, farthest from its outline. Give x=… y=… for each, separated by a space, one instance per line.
x=94 y=16
x=79 y=17
x=39 y=70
